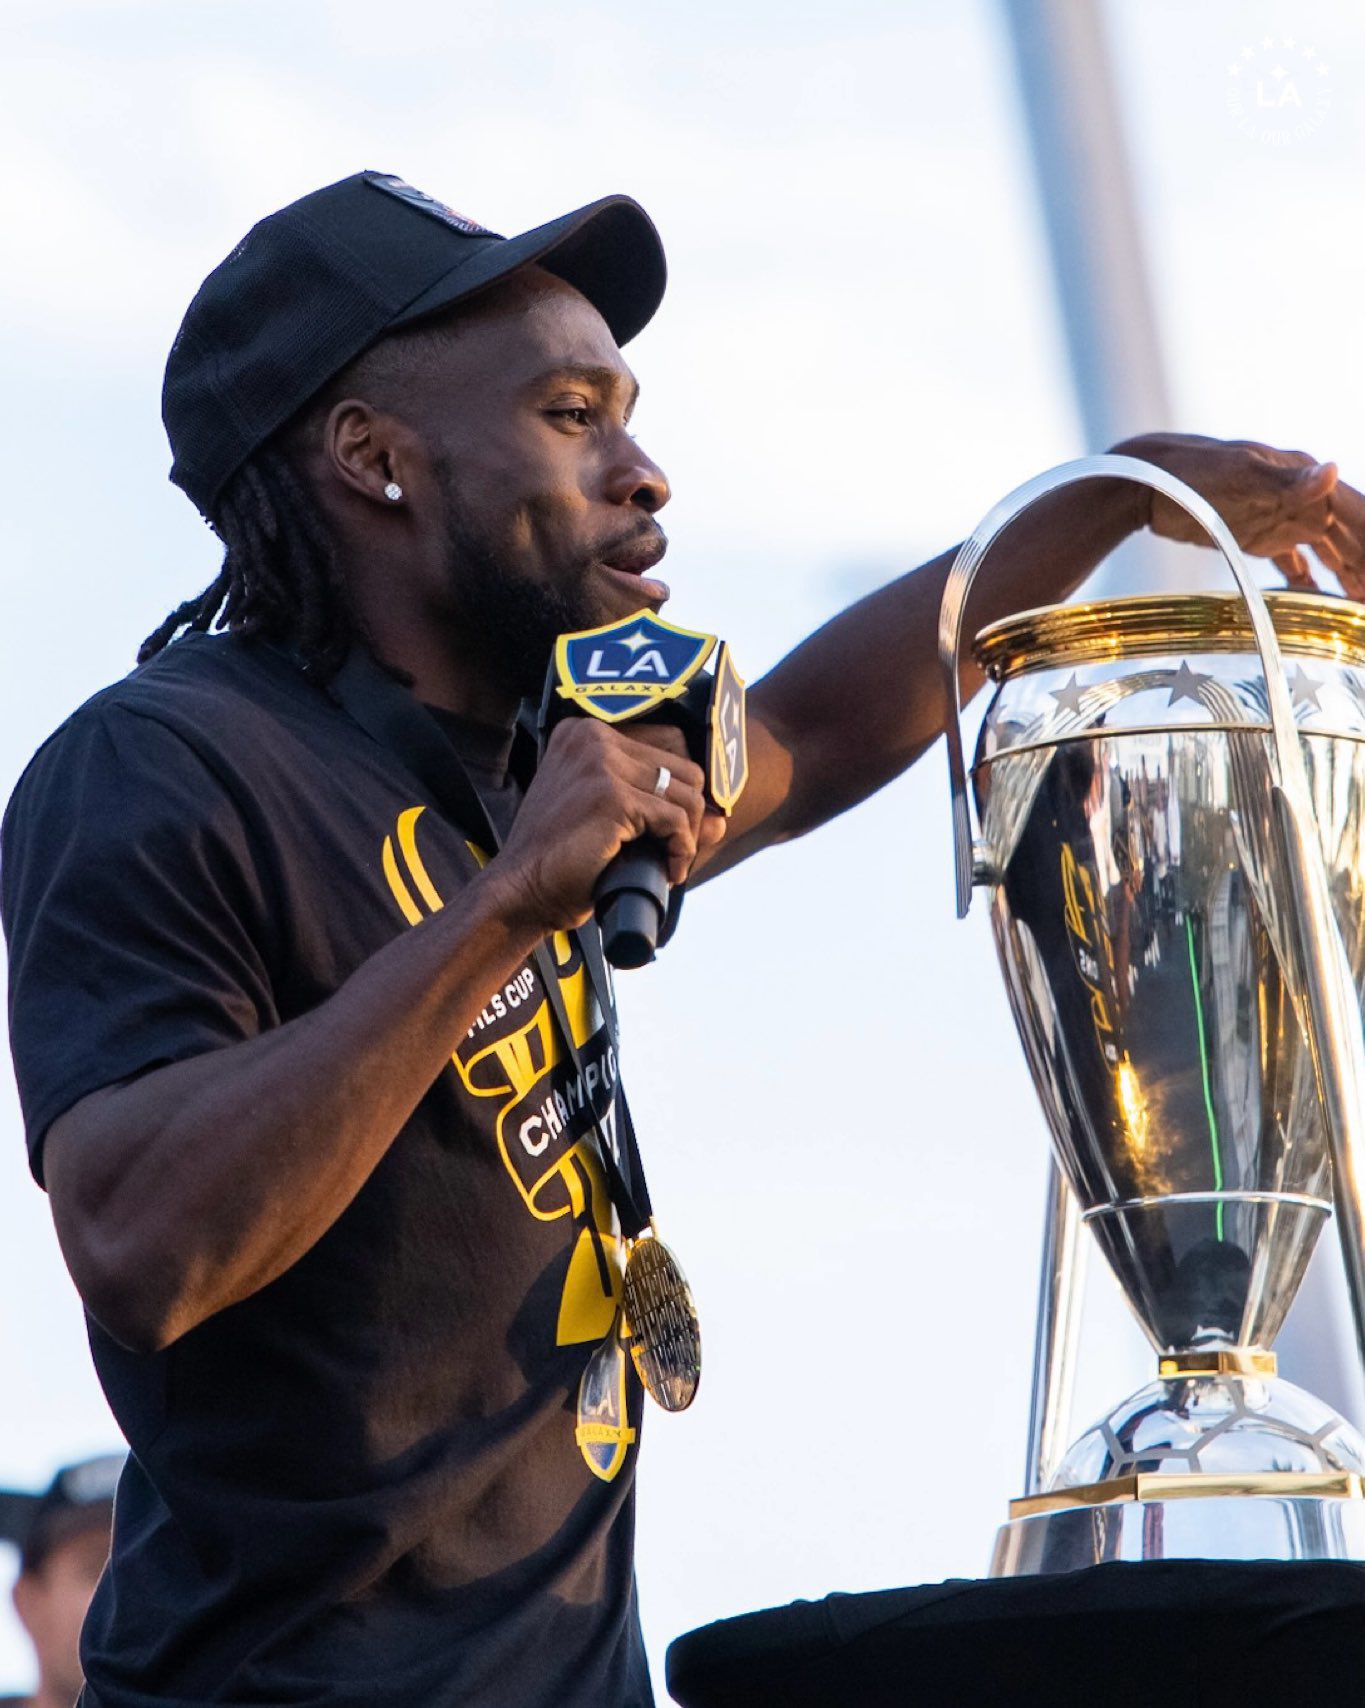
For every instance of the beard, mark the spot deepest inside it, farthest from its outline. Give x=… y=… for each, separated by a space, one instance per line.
x=513 y=620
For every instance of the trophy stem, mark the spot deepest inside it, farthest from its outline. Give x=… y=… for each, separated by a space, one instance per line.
x=1061 y=1286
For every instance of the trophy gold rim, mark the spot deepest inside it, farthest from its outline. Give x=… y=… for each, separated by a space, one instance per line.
x=1194 y=1485
x=1219 y=1361
x=1316 y=625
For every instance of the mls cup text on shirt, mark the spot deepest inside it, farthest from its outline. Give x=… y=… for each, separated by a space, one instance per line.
x=504 y=1001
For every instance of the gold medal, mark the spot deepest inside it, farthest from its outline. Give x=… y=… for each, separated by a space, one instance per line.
x=661 y=1320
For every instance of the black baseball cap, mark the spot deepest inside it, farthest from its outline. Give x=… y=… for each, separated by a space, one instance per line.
x=312 y=286
x=78 y=1497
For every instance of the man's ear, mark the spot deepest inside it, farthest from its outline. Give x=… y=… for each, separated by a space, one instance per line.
x=22 y=1597
x=364 y=448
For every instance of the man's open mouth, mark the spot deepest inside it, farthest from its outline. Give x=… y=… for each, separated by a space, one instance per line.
x=636 y=556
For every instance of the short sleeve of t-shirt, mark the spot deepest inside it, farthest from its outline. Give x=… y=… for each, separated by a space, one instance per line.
x=134 y=912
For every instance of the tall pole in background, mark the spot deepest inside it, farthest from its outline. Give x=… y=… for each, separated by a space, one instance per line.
x=1099 y=268
x=1085 y=184
x=1089 y=208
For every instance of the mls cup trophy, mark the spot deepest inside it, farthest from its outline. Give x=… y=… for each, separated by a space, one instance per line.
x=1170 y=792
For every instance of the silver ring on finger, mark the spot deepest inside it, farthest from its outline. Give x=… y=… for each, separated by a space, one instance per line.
x=662 y=781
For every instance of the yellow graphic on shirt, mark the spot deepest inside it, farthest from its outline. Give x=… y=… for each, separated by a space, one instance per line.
x=544 y=1126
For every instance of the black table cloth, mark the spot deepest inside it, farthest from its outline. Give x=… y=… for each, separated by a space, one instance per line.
x=1198 y=1634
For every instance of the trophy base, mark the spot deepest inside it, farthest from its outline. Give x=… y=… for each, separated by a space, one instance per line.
x=1267 y=1516
x=1218 y=1459
x=1213 y=1427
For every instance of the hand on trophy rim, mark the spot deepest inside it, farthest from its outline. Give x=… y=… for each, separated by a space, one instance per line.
x=1278 y=504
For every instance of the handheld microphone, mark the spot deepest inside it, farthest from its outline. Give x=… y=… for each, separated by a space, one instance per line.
x=643 y=667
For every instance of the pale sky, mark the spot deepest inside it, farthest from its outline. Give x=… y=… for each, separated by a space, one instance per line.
x=857 y=356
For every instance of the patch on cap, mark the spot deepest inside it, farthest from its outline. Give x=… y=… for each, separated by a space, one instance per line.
x=428 y=204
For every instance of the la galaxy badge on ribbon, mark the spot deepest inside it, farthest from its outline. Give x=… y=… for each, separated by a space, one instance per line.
x=629 y=667
x=604 y=1432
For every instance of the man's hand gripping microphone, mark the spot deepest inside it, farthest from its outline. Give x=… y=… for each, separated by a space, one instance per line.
x=645 y=668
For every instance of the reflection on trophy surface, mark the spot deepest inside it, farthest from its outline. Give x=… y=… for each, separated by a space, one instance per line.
x=1148 y=869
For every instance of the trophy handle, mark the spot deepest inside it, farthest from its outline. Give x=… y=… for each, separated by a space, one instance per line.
x=968 y=561
x=1330 y=1007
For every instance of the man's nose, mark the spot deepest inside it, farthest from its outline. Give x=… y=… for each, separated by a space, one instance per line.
x=634 y=478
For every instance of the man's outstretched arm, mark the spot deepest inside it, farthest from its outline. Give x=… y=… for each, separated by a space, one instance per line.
x=862 y=698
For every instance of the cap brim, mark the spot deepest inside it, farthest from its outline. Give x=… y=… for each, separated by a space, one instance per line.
x=608 y=250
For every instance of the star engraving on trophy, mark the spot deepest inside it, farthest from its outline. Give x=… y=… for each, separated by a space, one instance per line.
x=1070 y=696
x=1306 y=688
x=1185 y=685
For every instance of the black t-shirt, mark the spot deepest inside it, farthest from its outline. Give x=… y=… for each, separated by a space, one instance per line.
x=371 y=1482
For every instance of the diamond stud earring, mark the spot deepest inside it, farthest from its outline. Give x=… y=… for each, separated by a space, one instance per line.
x=393 y=492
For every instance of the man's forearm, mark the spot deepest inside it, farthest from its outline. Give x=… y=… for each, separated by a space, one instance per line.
x=191 y=1188
x=188 y=1189
x=859 y=700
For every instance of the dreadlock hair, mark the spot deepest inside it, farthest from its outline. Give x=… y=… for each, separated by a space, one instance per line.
x=279 y=576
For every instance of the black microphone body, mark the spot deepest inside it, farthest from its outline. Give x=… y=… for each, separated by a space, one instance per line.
x=595 y=674
x=631 y=900
x=632 y=897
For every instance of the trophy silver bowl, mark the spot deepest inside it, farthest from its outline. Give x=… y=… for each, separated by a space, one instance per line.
x=1170 y=795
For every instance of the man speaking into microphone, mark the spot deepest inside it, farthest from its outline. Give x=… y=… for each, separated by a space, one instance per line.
x=315 y=1047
